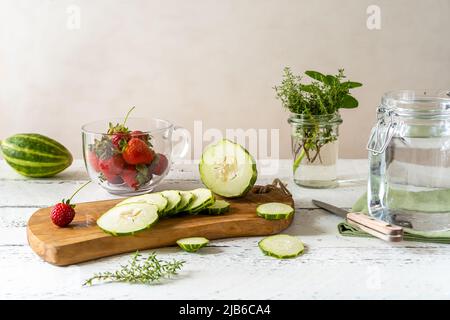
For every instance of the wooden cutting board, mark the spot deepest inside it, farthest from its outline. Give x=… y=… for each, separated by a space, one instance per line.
x=82 y=240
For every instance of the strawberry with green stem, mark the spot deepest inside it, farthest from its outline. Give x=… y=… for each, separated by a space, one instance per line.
x=120 y=132
x=136 y=176
x=137 y=152
x=63 y=213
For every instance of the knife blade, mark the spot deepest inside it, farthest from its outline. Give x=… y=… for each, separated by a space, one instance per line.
x=330 y=208
x=375 y=227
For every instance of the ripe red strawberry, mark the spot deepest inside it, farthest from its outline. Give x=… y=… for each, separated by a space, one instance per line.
x=119 y=139
x=129 y=176
x=137 y=152
x=161 y=164
x=139 y=134
x=112 y=166
x=120 y=127
x=113 y=178
x=94 y=161
x=63 y=213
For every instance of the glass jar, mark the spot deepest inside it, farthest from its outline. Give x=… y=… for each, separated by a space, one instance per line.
x=409 y=156
x=314 y=142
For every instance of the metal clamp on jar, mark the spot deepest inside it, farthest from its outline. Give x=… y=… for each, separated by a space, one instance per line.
x=409 y=156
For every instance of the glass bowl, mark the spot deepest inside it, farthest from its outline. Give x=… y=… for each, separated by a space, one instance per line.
x=130 y=163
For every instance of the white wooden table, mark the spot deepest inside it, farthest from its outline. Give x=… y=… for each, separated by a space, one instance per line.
x=333 y=266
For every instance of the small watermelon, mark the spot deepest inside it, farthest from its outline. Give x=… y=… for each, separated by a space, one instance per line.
x=34 y=155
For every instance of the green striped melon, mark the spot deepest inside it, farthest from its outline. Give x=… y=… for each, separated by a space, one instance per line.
x=34 y=155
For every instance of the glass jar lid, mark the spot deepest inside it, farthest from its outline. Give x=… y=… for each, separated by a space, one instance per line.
x=417 y=103
x=399 y=107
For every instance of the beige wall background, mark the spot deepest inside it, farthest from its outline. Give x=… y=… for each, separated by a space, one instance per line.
x=210 y=60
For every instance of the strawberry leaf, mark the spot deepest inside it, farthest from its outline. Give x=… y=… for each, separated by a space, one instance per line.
x=143 y=175
x=122 y=145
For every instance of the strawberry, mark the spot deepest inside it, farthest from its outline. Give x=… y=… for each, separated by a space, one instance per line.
x=94 y=161
x=120 y=127
x=139 y=134
x=137 y=152
x=63 y=213
x=144 y=174
x=119 y=132
x=113 y=178
x=119 y=140
x=129 y=176
x=111 y=166
x=136 y=176
x=161 y=164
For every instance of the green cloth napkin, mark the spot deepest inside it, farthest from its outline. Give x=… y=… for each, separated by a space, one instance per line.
x=441 y=200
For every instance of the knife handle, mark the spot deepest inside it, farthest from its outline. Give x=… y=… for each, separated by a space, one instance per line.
x=379 y=235
x=378 y=225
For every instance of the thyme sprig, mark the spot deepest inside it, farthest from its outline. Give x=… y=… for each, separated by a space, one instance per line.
x=139 y=270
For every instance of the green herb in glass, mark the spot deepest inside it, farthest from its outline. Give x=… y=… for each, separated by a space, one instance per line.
x=315 y=110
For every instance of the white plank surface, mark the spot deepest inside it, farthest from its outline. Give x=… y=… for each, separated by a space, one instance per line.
x=333 y=266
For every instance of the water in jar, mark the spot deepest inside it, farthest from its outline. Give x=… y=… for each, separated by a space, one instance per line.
x=416 y=188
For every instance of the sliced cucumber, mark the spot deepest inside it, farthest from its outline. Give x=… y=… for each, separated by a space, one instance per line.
x=192 y=244
x=128 y=218
x=228 y=169
x=274 y=211
x=281 y=246
x=218 y=207
x=202 y=198
x=186 y=198
x=151 y=198
x=173 y=198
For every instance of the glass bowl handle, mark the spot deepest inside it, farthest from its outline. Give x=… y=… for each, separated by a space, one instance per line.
x=181 y=147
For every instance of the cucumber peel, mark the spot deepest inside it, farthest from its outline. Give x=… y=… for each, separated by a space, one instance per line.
x=128 y=219
x=227 y=169
x=192 y=244
x=173 y=200
x=274 y=211
x=218 y=207
x=281 y=246
x=186 y=198
x=202 y=198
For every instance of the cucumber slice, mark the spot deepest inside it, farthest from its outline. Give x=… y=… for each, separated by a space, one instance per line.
x=228 y=169
x=173 y=198
x=186 y=198
x=128 y=219
x=281 y=246
x=274 y=211
x=219 y=207
x=192 y=244
x=202 y=198
x=151 y=198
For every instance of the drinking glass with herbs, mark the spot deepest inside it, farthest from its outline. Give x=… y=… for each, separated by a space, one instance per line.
x=315 y=121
